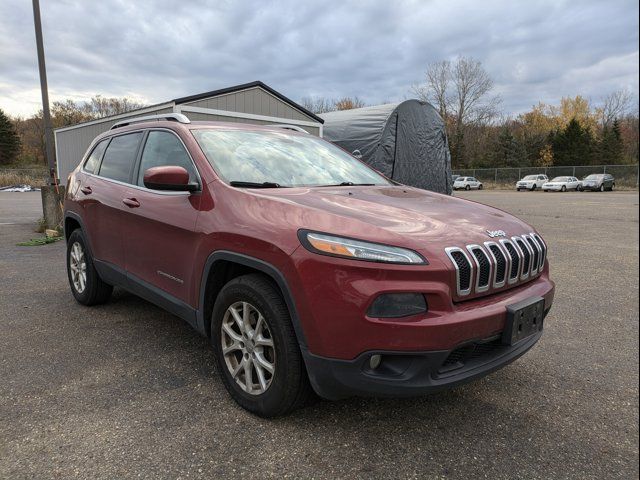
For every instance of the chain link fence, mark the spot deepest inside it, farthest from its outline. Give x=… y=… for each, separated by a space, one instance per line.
x=625 y=175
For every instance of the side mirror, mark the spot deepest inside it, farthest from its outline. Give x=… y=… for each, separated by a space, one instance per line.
x=357 y=154
x=170 y=178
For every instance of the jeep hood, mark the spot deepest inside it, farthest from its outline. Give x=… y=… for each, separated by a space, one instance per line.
x=401 y=216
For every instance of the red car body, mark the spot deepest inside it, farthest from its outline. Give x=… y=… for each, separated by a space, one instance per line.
x=170 y=248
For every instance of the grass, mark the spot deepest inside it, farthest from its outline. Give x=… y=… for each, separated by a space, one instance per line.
x=34 y=242
x=13 y=177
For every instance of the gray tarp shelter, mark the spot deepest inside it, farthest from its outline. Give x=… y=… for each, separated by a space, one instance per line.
x=405 y=141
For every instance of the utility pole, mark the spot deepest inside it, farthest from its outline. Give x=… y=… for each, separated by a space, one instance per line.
x=48 y=129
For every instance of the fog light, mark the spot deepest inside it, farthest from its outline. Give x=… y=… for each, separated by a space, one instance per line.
x=395 y=305
x=374 y=361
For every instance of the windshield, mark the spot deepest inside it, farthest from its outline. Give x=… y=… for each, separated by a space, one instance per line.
x=531 y=177
x=280 y=159
x=561 y=179
x=592 y=177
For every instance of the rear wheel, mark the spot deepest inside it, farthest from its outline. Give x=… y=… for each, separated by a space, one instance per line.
x=86 y=285
x=468 y=187
x=256 y=348
x=534 y=187
x=613 y=185
x=480 y=187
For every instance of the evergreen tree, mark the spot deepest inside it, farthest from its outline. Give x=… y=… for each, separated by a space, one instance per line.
x=572 y=145
x=610 y=146
x=10 y=144
x=508 y=152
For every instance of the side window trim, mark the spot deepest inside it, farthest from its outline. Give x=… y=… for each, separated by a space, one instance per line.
x=138 y=162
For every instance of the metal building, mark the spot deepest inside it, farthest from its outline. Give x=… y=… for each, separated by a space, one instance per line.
x=253 y=102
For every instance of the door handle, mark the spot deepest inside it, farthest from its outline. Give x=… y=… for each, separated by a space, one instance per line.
x=86 y=190
x=131 y=202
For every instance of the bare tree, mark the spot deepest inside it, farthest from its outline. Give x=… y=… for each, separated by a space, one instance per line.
x=348 y=103
x=615 y=105
x=462 y=93
x=318 y=104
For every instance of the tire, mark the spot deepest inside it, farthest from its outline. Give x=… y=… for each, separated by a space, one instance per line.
x=92 y=290
x=613 y=186
x=287 y=387
x=602 y=187
x=468 y=187
x=563 y=189
x=480 y=187
x=517 y=189
x=533 y=189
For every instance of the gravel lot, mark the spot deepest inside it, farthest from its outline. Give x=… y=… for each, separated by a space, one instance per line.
x=127 y=390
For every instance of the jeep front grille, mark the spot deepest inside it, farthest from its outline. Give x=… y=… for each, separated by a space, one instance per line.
x=495 y=264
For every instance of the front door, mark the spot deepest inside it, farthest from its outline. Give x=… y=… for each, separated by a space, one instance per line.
x=159 y=234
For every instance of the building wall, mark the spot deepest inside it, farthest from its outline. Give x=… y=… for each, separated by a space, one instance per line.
x=197 y=116
x=71 y=145
x=254 y=100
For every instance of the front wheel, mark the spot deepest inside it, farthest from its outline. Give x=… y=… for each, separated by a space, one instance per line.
x=256 y=348
x=563 y=189
x=602 y=187
x=86 y=285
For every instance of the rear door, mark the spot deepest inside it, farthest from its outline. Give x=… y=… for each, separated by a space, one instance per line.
x=159 y=228
x=104 y=185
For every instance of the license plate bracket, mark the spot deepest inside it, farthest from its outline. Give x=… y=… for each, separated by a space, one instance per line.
x=523 y=320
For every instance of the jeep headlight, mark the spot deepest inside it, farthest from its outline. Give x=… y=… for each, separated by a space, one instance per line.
x=324 y=244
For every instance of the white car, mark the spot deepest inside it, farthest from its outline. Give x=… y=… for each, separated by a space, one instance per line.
x=531 y=182
x=467 y=183
x=562 y=184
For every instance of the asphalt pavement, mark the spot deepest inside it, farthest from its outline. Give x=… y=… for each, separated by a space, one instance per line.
x=127 y=390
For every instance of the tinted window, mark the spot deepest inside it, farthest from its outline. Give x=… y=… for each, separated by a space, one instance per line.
x=283 y=158
x=93 y=162
x=120 y=156
x=163 y=149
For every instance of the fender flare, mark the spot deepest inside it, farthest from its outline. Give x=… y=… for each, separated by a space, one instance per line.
x=261 y=266
x=77 y=218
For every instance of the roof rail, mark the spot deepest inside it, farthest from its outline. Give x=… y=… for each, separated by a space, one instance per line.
x=175 y=117
x=289 y=127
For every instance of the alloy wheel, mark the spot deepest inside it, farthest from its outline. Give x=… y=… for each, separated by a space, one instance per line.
x=247 y=347
x=78 y=267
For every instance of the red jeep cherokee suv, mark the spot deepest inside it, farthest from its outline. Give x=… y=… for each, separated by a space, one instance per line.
x=308 y=270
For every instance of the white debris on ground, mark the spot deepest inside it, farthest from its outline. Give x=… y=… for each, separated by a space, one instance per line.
x=19 y=188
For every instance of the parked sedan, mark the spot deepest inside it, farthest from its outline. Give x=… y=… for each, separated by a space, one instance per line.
x=599 y=182
x=467 y=183
x=562 y=184
x=531 y=182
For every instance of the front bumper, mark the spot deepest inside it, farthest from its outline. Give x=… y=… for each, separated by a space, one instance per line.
x=406 y=374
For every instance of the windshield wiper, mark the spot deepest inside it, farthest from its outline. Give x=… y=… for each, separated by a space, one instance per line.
x=241 y=184
x=350 y=184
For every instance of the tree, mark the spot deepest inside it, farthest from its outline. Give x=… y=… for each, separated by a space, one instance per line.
x=507 y=151
x=10 y=143
x=545 y=156
x=348 y=103
x=461 y=91
x=610 y=147
x=572 y=145
x=614 y=106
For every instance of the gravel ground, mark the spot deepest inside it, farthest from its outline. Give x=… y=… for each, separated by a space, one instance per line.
x=127 y=390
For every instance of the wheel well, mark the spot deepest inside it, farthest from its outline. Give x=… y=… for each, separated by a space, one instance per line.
x=221 y=273
x=70 y=224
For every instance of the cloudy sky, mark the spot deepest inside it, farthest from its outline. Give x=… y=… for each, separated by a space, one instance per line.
x=158 y=50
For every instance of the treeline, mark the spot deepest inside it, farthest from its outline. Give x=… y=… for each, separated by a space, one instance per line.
x=22 y=138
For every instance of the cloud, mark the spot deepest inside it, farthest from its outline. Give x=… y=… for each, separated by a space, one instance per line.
x=158 y=50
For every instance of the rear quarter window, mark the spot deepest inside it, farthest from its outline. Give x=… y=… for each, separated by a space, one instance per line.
x=92 y=163
x=120 y=156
